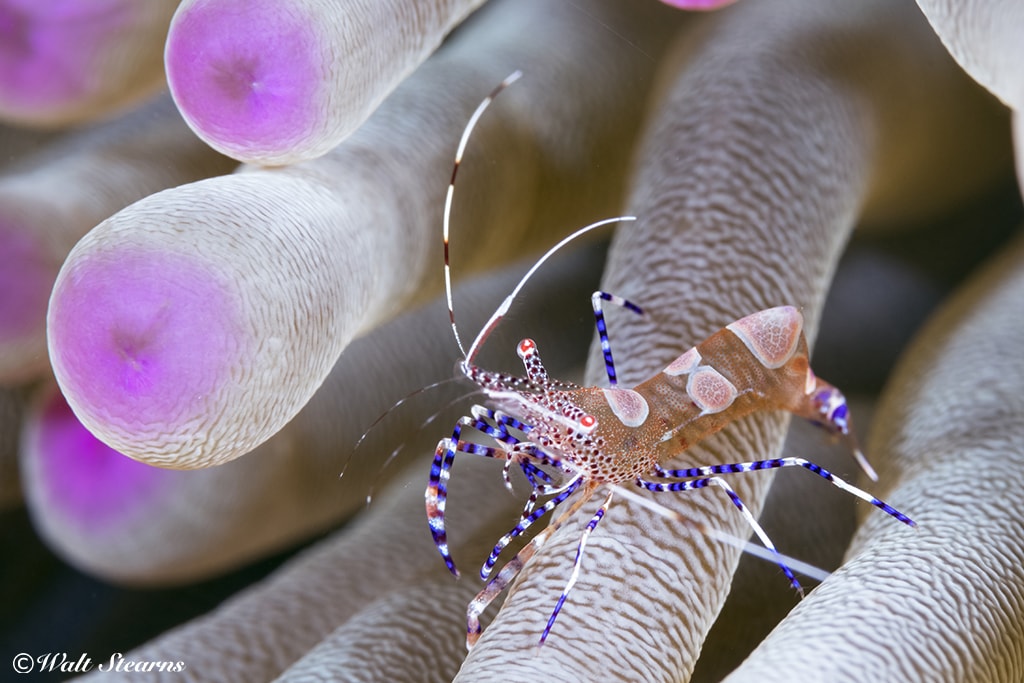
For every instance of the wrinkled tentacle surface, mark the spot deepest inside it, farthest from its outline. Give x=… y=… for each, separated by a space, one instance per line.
x=779 y=125
x=984 y=37
x=50 y=199
x=743 y=209
x=279 y=621
x=951 y=413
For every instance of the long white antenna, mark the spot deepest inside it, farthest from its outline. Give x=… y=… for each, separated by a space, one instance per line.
x=503 y=308
x=509 y=80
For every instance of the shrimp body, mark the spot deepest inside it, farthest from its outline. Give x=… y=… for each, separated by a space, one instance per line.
x=568 y=439
x=614 y=435
x=757 y=363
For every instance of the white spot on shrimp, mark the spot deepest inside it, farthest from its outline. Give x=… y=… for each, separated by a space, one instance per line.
x=630 y=407
x=710 y=390
x=771 y=335
x=684 y=364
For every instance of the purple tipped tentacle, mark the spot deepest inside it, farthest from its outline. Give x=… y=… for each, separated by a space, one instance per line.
x=65 y=63
x=99 y=171
x=312 y=273
x=294 y=492
x=84 y=483
x=698 y=5
x=250 y=77
x=140 y=355
x=180 y=343
x=276 y=83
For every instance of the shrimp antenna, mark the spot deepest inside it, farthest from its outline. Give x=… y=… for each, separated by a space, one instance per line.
x=507 y=303
x=509 y=80
x=503 y=308
x=371 y=491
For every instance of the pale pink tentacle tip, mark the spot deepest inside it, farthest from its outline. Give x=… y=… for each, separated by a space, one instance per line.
x=65 y=63
x=698 y=5
x=141 y=338
x=83 y=483
x=249 y=78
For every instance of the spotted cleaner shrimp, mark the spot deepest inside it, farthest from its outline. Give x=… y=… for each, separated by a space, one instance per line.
x=569 y=439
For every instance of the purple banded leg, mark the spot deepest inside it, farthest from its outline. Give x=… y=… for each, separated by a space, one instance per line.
x=695 y=484
x=496 y=585
x=776 y=463
x=602 y=329
x=499 y=430
x=541 y=482
x=437 y=495
x=547 y=488
x=503 y=419
x=529 y=517
x=493 y=424
x=496 y=425
x=509 y=421
x=537 y=477
x=521 y=453
x=580 y=548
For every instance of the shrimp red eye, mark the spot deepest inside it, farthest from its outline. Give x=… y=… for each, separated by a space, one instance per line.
x=588 y=422
x=526 y=348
